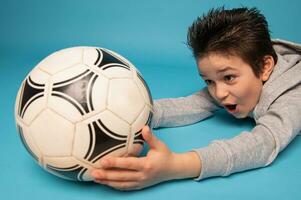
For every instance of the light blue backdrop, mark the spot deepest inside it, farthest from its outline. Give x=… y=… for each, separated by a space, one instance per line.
x=152 y=35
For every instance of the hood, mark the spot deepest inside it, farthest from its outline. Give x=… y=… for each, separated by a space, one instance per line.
x=286 y=75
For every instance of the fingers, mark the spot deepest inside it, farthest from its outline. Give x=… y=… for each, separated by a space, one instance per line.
x=151 y=139
x=129 y=163
x=115 y=175
x=117 y=178
x=146 y=133
x=129 y=185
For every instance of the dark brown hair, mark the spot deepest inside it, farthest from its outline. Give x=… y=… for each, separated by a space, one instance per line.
x=241 y=31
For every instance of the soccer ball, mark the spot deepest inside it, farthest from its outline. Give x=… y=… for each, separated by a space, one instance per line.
x=78 y=105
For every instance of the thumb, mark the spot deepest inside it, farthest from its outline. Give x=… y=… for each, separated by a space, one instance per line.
x=150 y=138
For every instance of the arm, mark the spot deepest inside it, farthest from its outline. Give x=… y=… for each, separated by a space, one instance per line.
x=249 y=150
x=184 y=110
x=258 y=148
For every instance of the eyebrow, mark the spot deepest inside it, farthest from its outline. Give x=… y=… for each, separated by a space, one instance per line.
x=221 y=70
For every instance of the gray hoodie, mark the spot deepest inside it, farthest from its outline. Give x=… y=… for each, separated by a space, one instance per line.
x=276 y=115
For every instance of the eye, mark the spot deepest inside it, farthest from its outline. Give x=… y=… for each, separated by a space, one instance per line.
x=208 y=82
x=229 y=78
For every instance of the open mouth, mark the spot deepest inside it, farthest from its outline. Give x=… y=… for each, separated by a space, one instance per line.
x=231 y=108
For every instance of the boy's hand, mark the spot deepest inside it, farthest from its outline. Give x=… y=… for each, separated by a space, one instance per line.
x=160 y=164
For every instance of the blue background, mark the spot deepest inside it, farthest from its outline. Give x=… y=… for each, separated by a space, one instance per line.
x=152 y=35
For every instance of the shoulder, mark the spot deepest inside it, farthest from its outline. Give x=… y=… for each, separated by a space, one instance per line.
x=287 y=105
x=288 y=101
x=290 y=96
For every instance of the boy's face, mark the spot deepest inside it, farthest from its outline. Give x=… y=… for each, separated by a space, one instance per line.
x=231 y=82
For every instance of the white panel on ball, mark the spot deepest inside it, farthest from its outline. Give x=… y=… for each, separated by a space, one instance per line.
x=114 y=123
x=54 y=138
x=82 y=140
x=70 y=74
x=99 y=93
x=64 y=108
x=38 y=76
x=117 y=71
x=33 y=108
x=143 y=88
x=124 y=99
x=28 y=141
x=141 y=120
x=61 y=60
x=91 y=56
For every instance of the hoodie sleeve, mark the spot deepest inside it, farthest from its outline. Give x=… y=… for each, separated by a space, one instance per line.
x=171 y=112
x=258 y=148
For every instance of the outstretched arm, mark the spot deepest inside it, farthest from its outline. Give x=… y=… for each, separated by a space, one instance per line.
x=273 y=132
x=171 y=112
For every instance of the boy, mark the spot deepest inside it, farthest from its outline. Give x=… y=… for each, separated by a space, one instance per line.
x=248 y=75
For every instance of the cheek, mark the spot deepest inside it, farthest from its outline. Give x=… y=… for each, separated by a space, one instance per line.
x=212 y=92
x=250 y=94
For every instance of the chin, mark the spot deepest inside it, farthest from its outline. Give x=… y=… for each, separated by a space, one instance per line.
x=241 y=116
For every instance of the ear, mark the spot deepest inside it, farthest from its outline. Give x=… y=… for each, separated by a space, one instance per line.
x=268 y=66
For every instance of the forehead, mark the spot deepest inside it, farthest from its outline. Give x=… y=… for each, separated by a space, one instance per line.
x=218 y=63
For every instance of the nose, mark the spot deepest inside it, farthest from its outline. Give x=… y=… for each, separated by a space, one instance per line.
x=221 y=91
